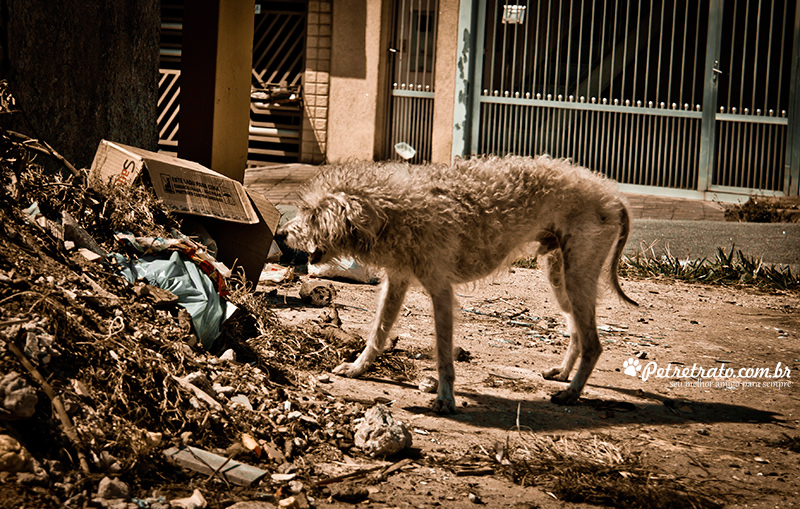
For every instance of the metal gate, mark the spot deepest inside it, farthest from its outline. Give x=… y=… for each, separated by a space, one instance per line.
x=412 y=93
x=618 y=86
x=278 y=65
x=276 y=111
x=753 y=73
x=169 y=76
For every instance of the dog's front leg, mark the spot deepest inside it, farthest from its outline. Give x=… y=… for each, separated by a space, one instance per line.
x=393 y=292
x=445 y=402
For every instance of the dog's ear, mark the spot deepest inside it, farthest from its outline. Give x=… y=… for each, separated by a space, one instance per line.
x=349 y=221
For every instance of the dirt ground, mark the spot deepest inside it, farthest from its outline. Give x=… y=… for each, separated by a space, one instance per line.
x=728 y=436
x=100 y=377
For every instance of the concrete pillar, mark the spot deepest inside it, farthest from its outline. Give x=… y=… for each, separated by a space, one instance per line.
x=445 y=86
x=356 y=89
x=316 y=82
x=216 y=63
x=464 y=78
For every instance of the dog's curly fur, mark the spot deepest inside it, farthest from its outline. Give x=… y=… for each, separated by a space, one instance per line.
x=446 y=225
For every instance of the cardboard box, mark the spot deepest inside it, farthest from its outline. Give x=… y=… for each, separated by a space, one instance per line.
x=184 y=186
x=243 y=223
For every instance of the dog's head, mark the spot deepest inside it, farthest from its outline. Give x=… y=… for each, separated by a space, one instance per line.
x=332 y=225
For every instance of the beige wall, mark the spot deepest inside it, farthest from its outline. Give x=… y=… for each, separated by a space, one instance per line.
x=358 y=82
x=355 y=92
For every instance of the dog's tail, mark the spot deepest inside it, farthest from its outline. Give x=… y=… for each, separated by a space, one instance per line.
x=625 y=228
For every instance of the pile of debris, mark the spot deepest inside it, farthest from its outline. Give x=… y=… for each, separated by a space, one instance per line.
x=109 y=397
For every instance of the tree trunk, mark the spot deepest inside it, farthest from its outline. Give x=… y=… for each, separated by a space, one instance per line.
x=82 y=71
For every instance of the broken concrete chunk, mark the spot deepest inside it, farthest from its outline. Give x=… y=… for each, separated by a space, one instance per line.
x=379 y=434
x=13 y=456
x=242 y=401
x=317 y=293
x=228 y=355
x=429 y=385
x=110 y=489
x=196 y=501
x=17 y=397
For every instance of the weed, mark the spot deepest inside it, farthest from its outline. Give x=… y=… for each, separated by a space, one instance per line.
x=601 y=472
x=727 y=268
x=756 y=210
x=528 y=262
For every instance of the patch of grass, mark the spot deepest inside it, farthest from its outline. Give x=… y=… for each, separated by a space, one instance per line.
x=727 y=268
x=598 y=471
x=528 y=262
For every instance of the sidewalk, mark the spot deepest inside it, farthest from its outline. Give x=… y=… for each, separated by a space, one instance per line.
x=281 y=183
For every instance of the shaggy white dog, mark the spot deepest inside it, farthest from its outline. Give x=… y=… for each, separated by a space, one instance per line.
x=443 y=226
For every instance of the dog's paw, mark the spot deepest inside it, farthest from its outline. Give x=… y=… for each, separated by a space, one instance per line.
x=349 y=369
x=444 y=406
x=555 y=374
x=565 y=397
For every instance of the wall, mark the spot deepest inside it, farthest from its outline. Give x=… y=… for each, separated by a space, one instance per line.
x=316 y=81
x=355 y=79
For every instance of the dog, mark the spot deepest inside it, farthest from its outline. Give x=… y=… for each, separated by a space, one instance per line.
x=442 y=226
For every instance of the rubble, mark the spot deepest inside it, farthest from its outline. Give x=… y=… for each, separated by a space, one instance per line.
x=110 y=489
x=379 y=434
x=317 y=293
x=101 y=374
x=195 y=501
x=429 y=385
x=17 y=397
x=13 y=456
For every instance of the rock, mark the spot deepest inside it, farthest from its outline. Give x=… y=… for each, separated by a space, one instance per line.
x=461 y=355
x=475 y=499
x=429 y=385
x=110 y=489
x=228 y=355
x=380 y=435
x=350 y=494
x=252 y=505
x=330 y=315
x=289 y=503
x=196 y=501
x=242 y=401
x=13 y=456
x=17 y=396
x=317 y=293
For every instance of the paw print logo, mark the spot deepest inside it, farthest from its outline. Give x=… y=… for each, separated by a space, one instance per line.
x=632 y=367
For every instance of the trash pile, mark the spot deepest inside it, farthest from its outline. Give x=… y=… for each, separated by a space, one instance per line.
x=137 y=371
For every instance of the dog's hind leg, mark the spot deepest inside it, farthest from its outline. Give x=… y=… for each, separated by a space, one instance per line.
x=582 y=270
x=393 y=292
x=443 y=317
x=555 y=274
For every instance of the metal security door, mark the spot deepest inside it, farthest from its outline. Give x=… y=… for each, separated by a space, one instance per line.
x=615 y=86
x=753 y=72
x=620 y=86
x=412 y=86
x=276 y=108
